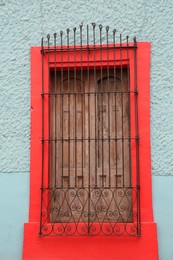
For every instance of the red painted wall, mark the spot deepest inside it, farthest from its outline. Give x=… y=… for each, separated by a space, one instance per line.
x=100 y=247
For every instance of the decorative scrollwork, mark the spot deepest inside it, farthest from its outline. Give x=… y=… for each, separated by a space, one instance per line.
x=94 y=211
x=121 y=193
x=72 y=193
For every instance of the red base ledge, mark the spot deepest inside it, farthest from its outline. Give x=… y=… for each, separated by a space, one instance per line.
x=98 y=247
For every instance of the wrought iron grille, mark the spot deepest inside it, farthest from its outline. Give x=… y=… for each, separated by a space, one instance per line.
x=90 y=137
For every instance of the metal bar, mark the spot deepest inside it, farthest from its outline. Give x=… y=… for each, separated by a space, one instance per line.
x=85 y=48
x=75 y=126
x=122 y=112
x=95 y=105
x=49 y=120
x=117 y=188
x=62 y=113
x=99 y=105
x=91 y=93
x=68 y=72
x=89 y=137
x=137 y=142
x=42 y=166
x=42 y=177
x=102 y=93
x=92 y=139
x=129 y=120
x=55 y=115
x=115 y=98
x=83 y=104
x=88 y=93
x=109 y=152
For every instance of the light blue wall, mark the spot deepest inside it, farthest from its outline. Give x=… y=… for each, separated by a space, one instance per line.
x=22 y=24
x=163 y=209
x=14 y=193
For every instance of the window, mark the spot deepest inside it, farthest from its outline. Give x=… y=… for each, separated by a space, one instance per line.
x=132 y=60
x=90 y=139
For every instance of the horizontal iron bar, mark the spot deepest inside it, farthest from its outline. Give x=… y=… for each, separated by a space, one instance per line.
x=87 y=93
x=88 y=139
x=92 y=187
x=84 y=48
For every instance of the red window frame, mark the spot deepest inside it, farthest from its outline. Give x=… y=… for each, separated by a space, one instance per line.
x=145 y=246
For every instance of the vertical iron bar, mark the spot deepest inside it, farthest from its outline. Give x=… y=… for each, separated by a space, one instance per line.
x=68 y=71
x=83 y=102
x=62 y=112
x=95 y=90
x=122 y=112
x=89 y=141
x=75 y=126
x=100 y=108
x=88 y=75
x=49 y=127
x=129 y=120
x=108 y=90
x=42 y=168
x=55 y=103
x=115 y=97
x=137 y=140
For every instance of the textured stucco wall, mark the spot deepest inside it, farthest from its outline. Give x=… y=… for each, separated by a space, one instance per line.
x=22 y=24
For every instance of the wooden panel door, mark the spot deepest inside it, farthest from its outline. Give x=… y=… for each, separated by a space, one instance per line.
x=110 y=201
x=90 y=122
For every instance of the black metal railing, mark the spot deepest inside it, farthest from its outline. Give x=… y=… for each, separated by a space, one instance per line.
x=90 y=135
